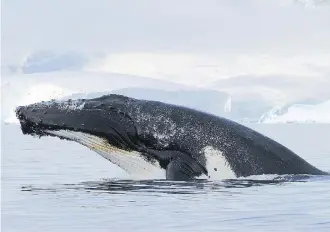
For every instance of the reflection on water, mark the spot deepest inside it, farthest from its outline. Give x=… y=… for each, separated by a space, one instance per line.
x=114 y=186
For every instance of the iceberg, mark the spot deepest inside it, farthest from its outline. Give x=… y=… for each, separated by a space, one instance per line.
x=299 y=113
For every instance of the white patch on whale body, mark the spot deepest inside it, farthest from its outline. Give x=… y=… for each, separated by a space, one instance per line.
x=217 y=165
x=132 y=162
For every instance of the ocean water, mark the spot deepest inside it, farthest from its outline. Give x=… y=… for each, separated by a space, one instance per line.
x=54 y=185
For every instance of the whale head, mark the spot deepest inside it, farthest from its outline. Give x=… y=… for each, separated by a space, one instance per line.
x=115 y=126
x=104 y=117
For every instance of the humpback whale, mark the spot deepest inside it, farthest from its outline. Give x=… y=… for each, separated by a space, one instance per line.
x=183 y=142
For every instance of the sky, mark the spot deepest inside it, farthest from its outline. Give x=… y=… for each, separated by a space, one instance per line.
x=282 y=27
x=191 y=42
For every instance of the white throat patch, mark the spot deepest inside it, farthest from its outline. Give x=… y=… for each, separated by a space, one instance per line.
x=217 y=165
x=132 y=162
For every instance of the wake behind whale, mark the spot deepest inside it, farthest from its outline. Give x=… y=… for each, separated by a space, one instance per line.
x=143 y=136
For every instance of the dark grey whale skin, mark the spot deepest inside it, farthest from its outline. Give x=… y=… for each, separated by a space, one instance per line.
x=174 y=136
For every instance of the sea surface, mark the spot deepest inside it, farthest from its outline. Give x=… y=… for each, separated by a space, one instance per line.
x=53 y=185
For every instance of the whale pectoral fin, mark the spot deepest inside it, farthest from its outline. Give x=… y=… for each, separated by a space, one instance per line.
x=183 y=169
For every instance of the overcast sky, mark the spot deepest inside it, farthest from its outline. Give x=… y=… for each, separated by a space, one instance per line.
x=193 y=26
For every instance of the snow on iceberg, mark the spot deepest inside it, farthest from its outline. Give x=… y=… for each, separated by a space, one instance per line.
x=299 y=113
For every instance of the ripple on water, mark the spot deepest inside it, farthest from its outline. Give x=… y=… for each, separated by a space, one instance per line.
x=115 y=186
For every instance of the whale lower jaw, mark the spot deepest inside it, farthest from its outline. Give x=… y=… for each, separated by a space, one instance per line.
x=131 y=161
